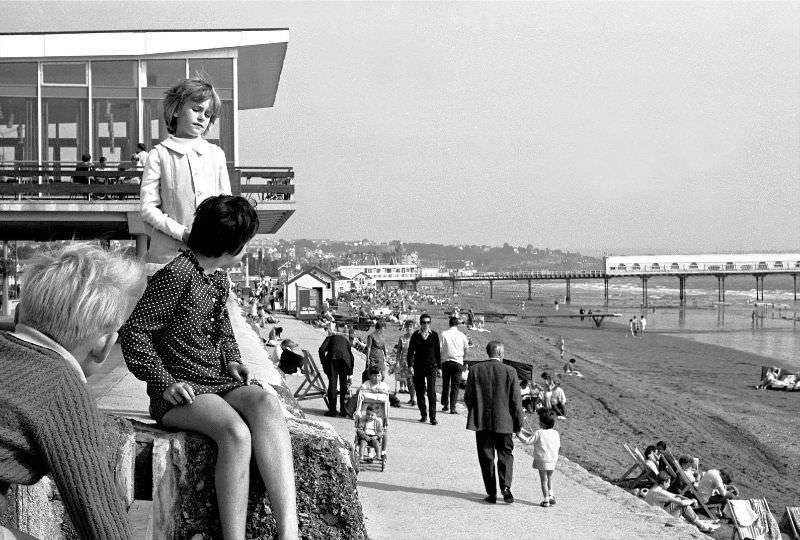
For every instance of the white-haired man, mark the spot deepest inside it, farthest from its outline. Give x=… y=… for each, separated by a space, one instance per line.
x=72 y=303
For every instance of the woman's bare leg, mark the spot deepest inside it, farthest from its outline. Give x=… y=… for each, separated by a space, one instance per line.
x=211 y=415
x=272 y=449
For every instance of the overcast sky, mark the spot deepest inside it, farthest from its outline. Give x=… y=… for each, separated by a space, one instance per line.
x=592 y=126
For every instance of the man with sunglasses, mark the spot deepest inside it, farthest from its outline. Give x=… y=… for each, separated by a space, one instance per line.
x=425 y=362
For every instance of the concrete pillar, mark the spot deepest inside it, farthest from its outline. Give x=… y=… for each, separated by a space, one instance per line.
x=531 y=298
x=794 y=278
x=721 y=288
x=682 y=289
x=491 y=289
x=568 y=297
x=644 y=291
x=605 y=290
x=6 y=277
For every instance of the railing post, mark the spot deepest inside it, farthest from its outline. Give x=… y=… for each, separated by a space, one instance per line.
x=236 y=181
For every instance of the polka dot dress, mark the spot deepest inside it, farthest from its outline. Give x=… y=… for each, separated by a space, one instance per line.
x=180 y=332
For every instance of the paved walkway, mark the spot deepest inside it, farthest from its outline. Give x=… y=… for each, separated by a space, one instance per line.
x=432 y=486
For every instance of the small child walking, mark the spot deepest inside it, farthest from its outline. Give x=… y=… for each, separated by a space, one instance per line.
x=546 y=444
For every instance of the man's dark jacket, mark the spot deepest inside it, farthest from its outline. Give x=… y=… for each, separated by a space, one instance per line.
x=424 y=354
x=493 y=398
x=336 y=347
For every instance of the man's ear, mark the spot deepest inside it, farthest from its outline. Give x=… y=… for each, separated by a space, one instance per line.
x=102 y=347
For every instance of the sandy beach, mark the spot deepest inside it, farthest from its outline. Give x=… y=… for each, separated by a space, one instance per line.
x=698 y=398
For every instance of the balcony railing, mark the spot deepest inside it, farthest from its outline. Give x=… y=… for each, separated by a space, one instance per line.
x=62 y=181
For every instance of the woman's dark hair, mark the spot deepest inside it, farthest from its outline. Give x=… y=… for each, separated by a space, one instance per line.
x=380 y=325
x=547 y=418
x=222 y=224
x=649 y=450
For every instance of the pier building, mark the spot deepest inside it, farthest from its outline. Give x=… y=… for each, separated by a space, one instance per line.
x=644 y=267
x=384 y=275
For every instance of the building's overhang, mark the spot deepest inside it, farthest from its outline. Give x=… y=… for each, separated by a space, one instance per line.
x=260 y=52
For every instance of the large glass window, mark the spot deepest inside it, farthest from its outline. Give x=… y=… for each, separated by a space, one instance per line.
x=118 y=73
x=72 y=73
x=115 y=129
x=66 y=136
x=17 y=73
x=165 y=73
x=18 y=129
x=219 y=71
x=155 y=130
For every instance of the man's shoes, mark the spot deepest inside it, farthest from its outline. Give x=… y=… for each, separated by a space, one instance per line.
x=507 y=496
x=444 y=408
x=330 y=413
x=423 y=419
x=343 y=414
x=434 y=421
x=552 y=501
x=453 y=411
x=412 y=403
x=491 y=499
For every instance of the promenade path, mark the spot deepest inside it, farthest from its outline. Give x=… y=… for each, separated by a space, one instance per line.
x=432 y=486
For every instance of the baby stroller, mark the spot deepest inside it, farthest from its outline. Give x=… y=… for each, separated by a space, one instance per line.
x=379 y=403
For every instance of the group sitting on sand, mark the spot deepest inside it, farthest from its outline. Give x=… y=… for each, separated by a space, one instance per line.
x=775 y=379
x=664 y=484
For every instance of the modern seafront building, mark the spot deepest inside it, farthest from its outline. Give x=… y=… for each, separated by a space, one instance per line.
x=385 y=275
x=65 y=94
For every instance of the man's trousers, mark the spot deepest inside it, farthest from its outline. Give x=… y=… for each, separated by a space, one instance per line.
x=425 y=385
x=338 y=374
x=490 y=443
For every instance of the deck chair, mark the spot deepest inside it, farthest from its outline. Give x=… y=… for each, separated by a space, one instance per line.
x=689 y=487
x=753 y=520
x=790 y=522
x=638 y=464
x=313 y=385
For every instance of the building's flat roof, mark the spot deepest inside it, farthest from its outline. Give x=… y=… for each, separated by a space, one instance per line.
x=261 y=52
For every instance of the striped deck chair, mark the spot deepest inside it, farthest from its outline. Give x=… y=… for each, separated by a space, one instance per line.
x=645 y=476
x=753 y=520
x=790 y=522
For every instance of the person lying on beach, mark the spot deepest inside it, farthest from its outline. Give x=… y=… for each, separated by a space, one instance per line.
x=675 y=505
x=770 y=377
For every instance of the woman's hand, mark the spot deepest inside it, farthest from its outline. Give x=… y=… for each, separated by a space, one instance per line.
x=179 y=393
x=240 y=372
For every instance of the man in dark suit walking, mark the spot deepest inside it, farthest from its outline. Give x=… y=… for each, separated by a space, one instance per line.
x=336 y=358
x=493 y=400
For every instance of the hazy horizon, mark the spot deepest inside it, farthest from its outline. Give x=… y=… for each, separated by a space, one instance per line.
x=624 y=127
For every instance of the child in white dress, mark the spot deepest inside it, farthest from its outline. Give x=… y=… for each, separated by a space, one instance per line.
x=546 y=444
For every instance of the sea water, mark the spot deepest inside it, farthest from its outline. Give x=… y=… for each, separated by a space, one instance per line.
x=769 y=328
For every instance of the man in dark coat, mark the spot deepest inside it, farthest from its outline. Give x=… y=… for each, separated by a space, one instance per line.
x=493 y=400
x=336 y=358
x=425 y=361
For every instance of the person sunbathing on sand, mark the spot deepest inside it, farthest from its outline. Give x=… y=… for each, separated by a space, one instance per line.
x=770 y=377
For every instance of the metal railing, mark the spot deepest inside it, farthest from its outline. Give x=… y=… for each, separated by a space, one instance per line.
x=58 y=181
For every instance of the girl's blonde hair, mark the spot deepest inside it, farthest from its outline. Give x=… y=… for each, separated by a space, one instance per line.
x=79 y=293
x=196 y=89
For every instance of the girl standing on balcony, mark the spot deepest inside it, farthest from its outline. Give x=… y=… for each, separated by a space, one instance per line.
x=182 y=170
